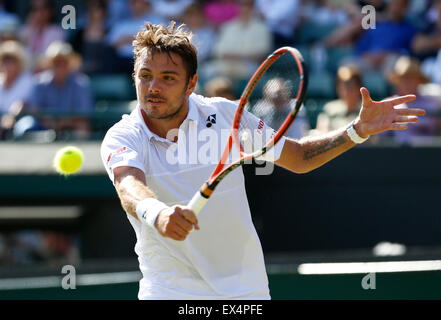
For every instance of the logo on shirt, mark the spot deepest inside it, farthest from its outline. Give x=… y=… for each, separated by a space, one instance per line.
x=114 y=153
x=260 y=127
x=211 y=120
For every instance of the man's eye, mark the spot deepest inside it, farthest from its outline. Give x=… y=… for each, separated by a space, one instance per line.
x=169 y=78
x=145 y=76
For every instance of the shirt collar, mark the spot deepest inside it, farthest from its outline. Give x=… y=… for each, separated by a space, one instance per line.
x=191 y=115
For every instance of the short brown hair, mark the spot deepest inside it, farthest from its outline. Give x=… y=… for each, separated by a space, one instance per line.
x=168 y=39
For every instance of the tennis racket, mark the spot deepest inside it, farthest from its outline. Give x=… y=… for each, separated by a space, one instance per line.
x=283 y=76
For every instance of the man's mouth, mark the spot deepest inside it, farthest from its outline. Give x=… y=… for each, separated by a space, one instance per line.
x=155 y=100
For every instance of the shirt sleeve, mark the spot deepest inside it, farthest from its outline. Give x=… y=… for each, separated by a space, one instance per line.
x=119 y=150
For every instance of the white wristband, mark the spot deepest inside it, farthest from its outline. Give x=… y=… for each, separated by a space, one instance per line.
x=148 y=209
x=353 y=135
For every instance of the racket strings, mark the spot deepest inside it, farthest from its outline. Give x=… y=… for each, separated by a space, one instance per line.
x=269 y=104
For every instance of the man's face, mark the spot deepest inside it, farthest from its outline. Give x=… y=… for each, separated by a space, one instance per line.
x=161 y=84
x=349 y=90
x=397 y=9
x=10 y=66
x=61 y=68
x=408 y=84
x=139 y=6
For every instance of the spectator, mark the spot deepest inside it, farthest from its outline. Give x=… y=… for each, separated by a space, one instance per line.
x=40 y=31
x=346 y=34
x=282 y=18
x=9 y=23
x=5 y=15
x=9 y=30
x=118 y=11
x=26 y=247
x=427 y=43
x=220 y=87
x=170 y=9
x=338 y=113
x=241 y=46
x=431 y=67
x=122 y=34
x=275 y=106
x=204 y=35
x=90 y=41
x=220 y=11
x=379 y=48
x=324 y=12
x=15 y=84
x=406 y=76
x=62 y=90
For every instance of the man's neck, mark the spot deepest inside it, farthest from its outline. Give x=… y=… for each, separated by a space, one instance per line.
x=60 y=81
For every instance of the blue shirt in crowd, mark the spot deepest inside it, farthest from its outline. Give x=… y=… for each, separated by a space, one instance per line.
x=73 y=96
x=388 y=36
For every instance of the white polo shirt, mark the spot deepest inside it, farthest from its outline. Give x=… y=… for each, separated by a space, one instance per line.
x=222 y=260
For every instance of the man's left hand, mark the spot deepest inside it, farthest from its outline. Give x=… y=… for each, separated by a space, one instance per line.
x=379 y=116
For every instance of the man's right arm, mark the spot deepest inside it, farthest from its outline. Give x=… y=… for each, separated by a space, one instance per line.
x=131 y=187
x=174 y=222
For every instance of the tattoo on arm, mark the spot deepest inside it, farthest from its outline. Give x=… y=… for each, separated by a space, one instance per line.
x=322 y=148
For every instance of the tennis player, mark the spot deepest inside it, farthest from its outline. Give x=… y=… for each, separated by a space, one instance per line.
x=222 y=258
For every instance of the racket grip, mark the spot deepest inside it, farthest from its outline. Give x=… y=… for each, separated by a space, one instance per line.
x=197 y=203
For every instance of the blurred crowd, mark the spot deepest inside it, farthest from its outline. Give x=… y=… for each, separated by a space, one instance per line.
x=58 y=84
x=30 y=247
x=64 y=82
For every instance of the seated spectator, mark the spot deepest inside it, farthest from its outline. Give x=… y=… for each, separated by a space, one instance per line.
x=242 y=45
x=122 y=34
x=90 y=41
x=379 y=48
x=15 y=84
x=407 y=78
x=9 y=29
x=275 y=106
x=40 y=31
x=5 y=15
x=346 y=34
x=9 y=22
x=340 y=112
x=431 y=67
x=427 y=43
x=324 y=12
x=220 y=11
x=117 y=11
x=220 y=87
x=170 y=9
x=62 y=90
x=282 y=18
x=204 y=35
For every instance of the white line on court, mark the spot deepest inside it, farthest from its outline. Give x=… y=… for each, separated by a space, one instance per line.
x=81 y=280
x=369 y=267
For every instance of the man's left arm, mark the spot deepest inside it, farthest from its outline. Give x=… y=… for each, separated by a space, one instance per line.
x=309 y=153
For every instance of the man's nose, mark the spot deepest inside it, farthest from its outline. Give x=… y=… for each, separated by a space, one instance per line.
x=155 y=85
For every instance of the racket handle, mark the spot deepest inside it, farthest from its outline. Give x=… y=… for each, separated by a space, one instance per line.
x=197 y=203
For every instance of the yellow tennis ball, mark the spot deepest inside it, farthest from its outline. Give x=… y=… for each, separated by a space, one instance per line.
x=68 y=160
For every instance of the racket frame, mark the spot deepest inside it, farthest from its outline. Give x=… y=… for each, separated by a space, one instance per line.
x=206 y=190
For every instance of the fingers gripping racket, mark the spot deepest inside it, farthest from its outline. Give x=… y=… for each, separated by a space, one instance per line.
x=281 y=77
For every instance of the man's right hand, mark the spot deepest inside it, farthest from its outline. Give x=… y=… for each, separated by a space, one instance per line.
x=176 y=222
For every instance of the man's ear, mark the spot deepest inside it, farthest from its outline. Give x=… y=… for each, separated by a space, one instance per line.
x=191 y=85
